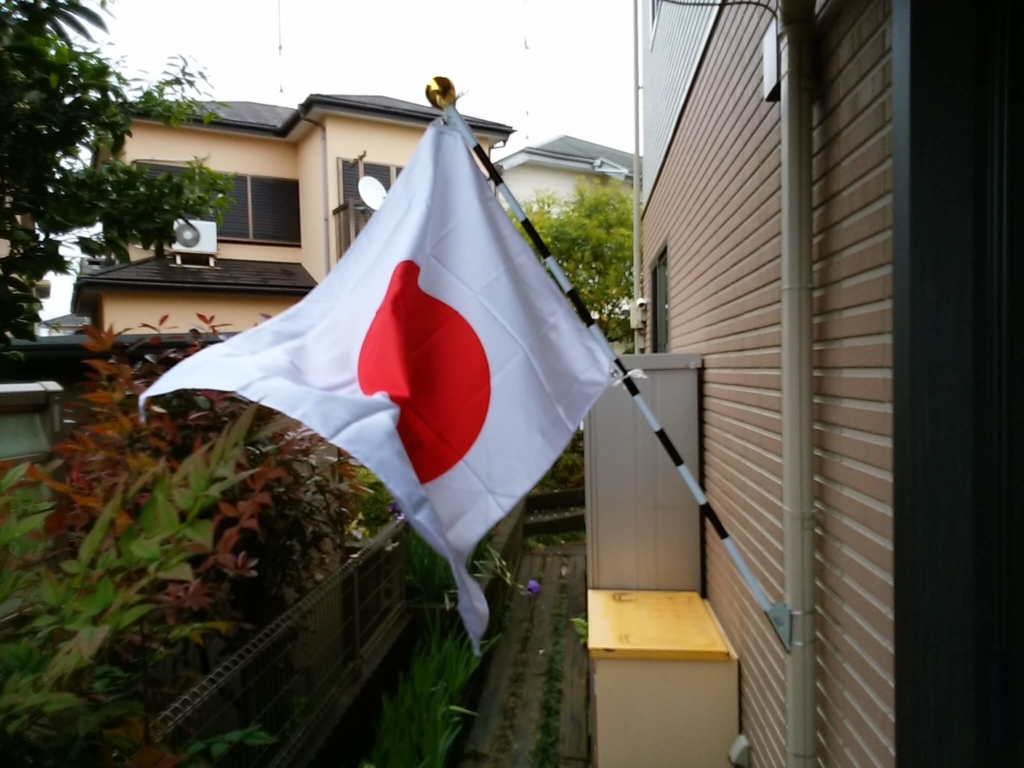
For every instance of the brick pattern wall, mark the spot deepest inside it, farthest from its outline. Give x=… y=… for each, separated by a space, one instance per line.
x=853 y=385
x=716 y=207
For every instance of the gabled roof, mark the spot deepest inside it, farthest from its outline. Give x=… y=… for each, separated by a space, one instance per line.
x=228 y=276
x=66 y=321
x=273 y=120
x=571 y=152
x=385 y=106
x=588 y=150
x=249 y=114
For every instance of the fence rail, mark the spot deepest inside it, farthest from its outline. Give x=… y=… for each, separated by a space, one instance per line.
x=297 y=670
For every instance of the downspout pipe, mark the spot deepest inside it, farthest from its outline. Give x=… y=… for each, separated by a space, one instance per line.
x=638 y=334
x=797 y=96
x=325 y=192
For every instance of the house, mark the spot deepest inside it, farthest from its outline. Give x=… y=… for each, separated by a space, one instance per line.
x=556 y=167
x=295 y=206
x=62 y=326
x=817 y=189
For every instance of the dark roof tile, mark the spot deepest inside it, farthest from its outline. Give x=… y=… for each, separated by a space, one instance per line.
x=269 y=118
x=236 y=275
x=249 y=113
x=399 y=107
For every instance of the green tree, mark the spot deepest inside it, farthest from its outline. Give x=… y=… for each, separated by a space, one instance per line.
x=590 y=232
x=65 y=112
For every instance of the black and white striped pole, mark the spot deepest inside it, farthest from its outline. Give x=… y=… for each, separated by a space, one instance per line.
x=441 y=94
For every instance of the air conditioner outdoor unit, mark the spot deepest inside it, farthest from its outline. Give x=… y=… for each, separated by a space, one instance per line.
x=195 y=237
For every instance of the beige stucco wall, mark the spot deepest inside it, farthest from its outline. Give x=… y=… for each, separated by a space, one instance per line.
x=242 y=251
x=311 y=205
x=130 y=309
x=225 y=152
x=219 y=150
x=347 y=138
x=389 y=143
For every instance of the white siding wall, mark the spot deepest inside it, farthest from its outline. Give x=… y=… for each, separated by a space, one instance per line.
x=679 y=39
x=527 y=180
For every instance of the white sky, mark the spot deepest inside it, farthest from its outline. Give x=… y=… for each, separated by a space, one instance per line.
x=576 y=79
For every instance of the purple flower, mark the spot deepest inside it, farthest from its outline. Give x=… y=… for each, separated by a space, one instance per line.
x=532 y=587
x=394 y=509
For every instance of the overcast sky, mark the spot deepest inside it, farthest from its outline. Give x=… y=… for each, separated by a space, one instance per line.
x=575 y=79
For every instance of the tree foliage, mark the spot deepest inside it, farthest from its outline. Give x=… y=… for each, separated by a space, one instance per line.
x=65 y=112
x=121 y=560
x=590 y=232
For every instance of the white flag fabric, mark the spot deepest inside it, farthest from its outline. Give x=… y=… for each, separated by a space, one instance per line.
x=438 y=352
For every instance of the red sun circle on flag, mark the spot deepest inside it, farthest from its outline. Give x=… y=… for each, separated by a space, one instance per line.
x=429 y=361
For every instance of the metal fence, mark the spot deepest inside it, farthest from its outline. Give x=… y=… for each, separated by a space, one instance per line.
x=295 y=678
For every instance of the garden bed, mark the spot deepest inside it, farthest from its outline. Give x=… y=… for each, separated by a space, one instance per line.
x=433 y=645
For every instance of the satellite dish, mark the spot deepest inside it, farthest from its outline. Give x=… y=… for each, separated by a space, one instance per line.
x=372 y=192
x=186 y=234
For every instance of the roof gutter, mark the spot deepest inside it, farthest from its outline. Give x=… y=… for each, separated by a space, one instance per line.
x=82 y=286
x=221 y=125
x=324 y=189
x=340 y=106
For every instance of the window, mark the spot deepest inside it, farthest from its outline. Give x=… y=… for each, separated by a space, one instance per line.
x=262 y=209
x=275 y=209
x=352 y=214
x=659 y=304
x=351 y=171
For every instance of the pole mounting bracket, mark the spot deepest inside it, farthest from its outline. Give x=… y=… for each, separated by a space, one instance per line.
x=782 y=622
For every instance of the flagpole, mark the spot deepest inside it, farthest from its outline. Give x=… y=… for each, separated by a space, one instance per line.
x=441 y=94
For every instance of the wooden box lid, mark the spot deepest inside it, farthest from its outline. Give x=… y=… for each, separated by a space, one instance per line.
x=623 y=624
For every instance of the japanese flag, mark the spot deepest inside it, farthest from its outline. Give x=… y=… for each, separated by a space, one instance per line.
x=438 y=352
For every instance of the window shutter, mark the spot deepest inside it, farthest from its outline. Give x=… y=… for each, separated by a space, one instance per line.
x=381 y=173
x=350 y=180
x=236 y=218
x=275 y=210
x=154 y=170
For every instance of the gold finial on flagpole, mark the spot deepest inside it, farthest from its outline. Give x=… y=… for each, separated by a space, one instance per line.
x=441 y=92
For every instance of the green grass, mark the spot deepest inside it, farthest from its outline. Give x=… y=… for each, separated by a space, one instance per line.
x=420 y=723
x=582 y=628
x=545 y=745
x=429 y=577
